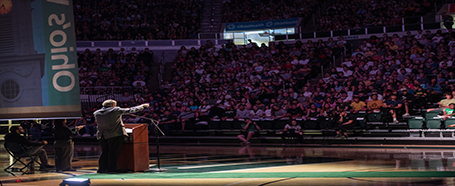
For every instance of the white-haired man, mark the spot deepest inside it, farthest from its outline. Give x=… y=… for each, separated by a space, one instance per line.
x=111 y=133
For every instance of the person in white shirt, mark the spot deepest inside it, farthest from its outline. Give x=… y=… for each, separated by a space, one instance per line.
x=139 y=82
x=444 y=60
x=292 y=130
x=380 y=97
x=199 y=70
x=419 y=35
x=341 y=41
x=268 y=112
x=346 y=72
x=204 y=109
x=437 y=38
x=307 y=92
x=374 y=71
x=256 y=113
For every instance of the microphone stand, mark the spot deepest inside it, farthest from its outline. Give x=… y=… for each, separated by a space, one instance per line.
x=157 y=128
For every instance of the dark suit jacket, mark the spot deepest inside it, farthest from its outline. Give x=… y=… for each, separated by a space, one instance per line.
x=20 y=143
x=109 y=121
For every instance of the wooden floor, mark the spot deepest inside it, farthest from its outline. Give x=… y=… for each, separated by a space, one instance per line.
x=265 y=165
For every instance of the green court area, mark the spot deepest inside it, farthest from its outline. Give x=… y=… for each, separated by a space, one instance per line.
x=295 y=163
x=407 y=174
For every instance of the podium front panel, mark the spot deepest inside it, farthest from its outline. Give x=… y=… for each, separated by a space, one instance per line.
x=134 y=155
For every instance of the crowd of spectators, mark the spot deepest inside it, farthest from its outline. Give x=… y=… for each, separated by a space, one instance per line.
x=394 y=75
x=202 y=78
x=114 y=72
x=347 y=14
x=251 y=10
x=137 y=20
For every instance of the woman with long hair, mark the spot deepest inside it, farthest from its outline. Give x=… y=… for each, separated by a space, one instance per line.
x=327 y=111
x=312 y=111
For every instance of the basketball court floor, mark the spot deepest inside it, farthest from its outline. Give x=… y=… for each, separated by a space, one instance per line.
x=264 y=164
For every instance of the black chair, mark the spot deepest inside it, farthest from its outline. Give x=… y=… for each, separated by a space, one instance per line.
x=18 y=152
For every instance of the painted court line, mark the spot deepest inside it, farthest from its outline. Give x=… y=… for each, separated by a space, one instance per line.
x=227 y=164
x=251 y=169
x=242 y=181
x=216 y=165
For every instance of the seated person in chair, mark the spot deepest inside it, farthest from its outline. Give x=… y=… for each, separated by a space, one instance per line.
x=443 y=104
x=408 y=100
x=186 y=116
x=250 y=129
x=448 y=112
x=374 y=105
x=393 y=106
x=357 y=105
x=229 y=113
x=292 y=130
x=29 y=147
x=167 y=121
x=343 y=121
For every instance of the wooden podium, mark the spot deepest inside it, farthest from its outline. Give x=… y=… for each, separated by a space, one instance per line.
x=135 y=150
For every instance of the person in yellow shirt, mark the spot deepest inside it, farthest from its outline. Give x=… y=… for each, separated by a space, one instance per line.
x=393 y=46
x=357 y=105
x=374 y=105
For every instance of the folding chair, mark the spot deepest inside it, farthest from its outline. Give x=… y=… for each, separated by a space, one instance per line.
x=18 y=152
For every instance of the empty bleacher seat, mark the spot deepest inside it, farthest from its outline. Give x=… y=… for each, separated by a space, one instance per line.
x=226 y=124
x=374 y=118
x=311 y=123
x=415 y=123
x=280 y=123
x=325 y=123
x=214 y=124
x=266 y=125
x=433 y=123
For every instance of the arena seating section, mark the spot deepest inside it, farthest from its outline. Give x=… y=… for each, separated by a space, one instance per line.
x=163 y=19
x=345 y=14
x=288 y=76
x=137 y=20
x=277 y=79
x=329 y=15
x=250 y=10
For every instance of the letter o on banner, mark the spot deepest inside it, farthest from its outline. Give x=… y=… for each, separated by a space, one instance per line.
x=56 y=33
x=60 y=74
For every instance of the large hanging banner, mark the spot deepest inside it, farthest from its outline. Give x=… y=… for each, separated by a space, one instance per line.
x=38 y=60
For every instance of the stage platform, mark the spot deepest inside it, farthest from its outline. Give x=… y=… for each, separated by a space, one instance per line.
x=230 y=164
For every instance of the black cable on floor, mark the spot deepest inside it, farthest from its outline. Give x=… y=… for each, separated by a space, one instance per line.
x=275 y=181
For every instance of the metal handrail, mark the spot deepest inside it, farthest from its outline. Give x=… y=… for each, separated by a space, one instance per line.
x=298 y=31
